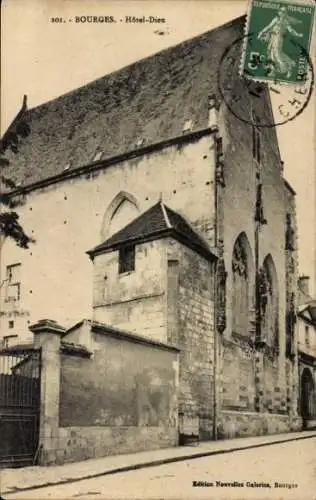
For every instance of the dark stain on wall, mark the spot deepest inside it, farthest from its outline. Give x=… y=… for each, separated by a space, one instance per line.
x=123 y=384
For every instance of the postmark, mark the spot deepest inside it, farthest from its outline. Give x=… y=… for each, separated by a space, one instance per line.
x=276 y=33
x=288 y=100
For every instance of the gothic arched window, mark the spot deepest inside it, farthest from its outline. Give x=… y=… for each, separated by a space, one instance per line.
x=241 y=285
x=122 y=210
x=269 y=302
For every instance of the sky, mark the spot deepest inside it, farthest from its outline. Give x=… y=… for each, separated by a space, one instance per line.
x=44 y=59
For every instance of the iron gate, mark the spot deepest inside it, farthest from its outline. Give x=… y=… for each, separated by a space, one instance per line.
x=19 y=406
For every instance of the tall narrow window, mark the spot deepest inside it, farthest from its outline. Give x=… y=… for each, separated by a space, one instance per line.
x=13 y=283
x=269 y=297
x=256 y=143
x=126 y=259
x=240 y=286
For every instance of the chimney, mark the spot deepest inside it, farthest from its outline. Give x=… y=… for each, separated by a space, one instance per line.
x=303 y=284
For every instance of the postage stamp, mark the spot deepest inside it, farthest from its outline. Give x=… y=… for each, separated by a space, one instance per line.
x=277 y=41
x=288 y=101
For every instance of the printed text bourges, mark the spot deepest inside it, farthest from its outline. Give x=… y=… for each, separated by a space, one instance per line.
x=108 y=19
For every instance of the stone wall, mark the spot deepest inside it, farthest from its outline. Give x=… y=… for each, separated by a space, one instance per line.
x=122 y=399
x=133 y=301
x=177 y=285
x=238 y=365
x=261 y=380
x=82 y=443
x=233 y=424
x=238 y=200
x=193 y=278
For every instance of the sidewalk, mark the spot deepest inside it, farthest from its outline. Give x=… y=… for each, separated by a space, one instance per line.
x=13 y=480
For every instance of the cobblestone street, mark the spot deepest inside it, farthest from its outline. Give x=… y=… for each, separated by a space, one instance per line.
x=279 y=471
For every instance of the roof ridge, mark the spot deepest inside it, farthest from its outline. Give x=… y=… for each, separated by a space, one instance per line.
x=137 y=61
x=136 y=99
x=164 y=211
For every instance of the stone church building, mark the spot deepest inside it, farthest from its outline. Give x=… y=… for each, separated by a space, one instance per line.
x=158 y=213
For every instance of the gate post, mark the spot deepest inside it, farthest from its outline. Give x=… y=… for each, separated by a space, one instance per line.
x=47 y=334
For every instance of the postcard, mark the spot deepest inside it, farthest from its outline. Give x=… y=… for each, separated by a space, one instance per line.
x=157 y=249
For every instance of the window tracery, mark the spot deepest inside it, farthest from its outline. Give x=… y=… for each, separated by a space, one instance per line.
x=268 y=302
x=122 y=210
x=240 y=288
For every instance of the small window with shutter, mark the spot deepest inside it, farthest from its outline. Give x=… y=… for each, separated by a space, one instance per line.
x=126 y=259
x=13 y=283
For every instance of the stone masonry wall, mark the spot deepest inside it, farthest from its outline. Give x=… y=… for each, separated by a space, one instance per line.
x=195 y=336
x=262 y=386
x=233 y=424
x=133 y=301
x=237 y=378
x=82 y=443
x=122 y=399
x=239 y=200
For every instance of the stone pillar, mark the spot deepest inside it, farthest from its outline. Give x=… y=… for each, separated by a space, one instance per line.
x=259 y=382
x=173 y=302
x=47 y=334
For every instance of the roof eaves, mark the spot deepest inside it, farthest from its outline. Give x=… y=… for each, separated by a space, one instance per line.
x=105 y=248
x=113 y=160
x=196 y=245
x=74 y=349
x=20 y=349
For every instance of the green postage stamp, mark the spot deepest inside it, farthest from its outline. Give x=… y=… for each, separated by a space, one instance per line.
x=277 y=41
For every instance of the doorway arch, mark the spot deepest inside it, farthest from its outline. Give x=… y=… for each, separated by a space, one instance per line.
x=307 y=396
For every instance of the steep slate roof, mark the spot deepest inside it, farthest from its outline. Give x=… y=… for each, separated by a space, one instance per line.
x=158 y=221
x=150 y=99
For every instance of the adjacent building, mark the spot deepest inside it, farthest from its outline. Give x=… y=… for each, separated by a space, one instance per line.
x=306 y=322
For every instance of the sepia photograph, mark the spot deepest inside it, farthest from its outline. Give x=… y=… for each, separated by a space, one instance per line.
x=158 y=250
